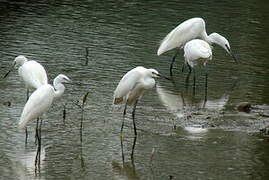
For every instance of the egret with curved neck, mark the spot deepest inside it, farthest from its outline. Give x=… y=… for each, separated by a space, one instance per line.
x=132 y=86
x=32 y=73
x=41 y=99
x=193 y=28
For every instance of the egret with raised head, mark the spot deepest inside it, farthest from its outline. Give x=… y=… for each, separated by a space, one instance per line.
x=39 y=102
x=41 y=99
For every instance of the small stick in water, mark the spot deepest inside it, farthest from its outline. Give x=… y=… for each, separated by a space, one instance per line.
x=87 y=55
x=64 y=114
x=81 y=106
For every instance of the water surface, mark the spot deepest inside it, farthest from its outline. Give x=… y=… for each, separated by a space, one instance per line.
x=180 y=136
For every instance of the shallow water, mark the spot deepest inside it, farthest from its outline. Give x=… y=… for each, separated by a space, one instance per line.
x=180 y=136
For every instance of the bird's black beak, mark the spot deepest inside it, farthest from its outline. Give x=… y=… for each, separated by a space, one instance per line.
x=231 y=53
x=162 y=76
x=10 y=70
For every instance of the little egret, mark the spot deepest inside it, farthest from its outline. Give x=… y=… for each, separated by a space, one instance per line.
x=197 y=51
x=32 y=73
x=39 y=102
x=41 y=99
x=191 y=29
x=132 y=86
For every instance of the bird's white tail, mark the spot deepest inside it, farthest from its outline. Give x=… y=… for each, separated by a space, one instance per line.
x=22 y=123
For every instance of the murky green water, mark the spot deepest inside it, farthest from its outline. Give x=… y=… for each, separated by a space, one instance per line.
x=121 y=35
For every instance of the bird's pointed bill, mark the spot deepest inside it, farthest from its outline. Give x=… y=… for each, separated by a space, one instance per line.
x=162 y=76
x=231 y=53
x=9 y=70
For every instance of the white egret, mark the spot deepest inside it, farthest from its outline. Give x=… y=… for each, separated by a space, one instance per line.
x=193 y=28
x=41 y=99
x=132 y=86
x=33 y=74
x=39 y=102
x=197 y=51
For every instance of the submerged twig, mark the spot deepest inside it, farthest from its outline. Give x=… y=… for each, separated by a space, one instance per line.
x=81 y=106
x=152 y=155
x=87 y=55
x=64 y=114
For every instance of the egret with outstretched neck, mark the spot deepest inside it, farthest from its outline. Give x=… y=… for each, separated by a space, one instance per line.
x=193 y=28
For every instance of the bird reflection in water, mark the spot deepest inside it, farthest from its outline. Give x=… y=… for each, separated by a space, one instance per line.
x=182 y=105
x=126 y=170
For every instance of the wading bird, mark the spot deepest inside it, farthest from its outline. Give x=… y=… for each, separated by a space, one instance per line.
x=197 y=51
x=41 y=99
x=131 y=88
x=32 y=73
x=39 y=102
x=193 y=28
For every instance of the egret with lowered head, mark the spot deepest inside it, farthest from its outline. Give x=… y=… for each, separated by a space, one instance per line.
x=132 y=86
x=33 y=74
x=197 y=51
x=193 y=28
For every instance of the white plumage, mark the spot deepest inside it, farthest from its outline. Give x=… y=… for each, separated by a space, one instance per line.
x=131 y=88
x=32 y=73
x=133 y=84
x=41 y=99
x=196 y=51
x=38 y=103
x=193 y=28
x=184 y=32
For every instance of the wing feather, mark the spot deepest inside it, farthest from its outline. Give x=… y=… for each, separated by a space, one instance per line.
x=38 y=103
x=127 y=83
x=184 y=32
x=33 y=74
x=196 y=49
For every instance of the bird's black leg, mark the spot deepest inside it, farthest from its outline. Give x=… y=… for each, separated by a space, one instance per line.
x=39 y=143
x=133 y=115
x=188 y=76
x=190 y=69
x=194 y=80
x=122 y=152
x=133 y=148
x=124 y=113
x=173 y=60
x=206 y=76
x=183 y=66
x=38 y=151
x=36 y=130
x=26 y=136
